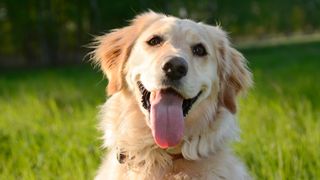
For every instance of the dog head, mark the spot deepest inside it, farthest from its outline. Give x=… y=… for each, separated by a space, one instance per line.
x=175 y=68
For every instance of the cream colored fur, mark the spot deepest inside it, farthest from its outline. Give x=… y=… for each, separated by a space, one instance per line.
x=210 y=125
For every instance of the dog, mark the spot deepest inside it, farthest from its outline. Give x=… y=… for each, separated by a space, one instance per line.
x=172 y=92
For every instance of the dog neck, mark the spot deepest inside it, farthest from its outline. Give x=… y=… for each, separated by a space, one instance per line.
x=174 y=152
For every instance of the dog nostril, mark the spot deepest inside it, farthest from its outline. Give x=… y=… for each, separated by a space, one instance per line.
x=167 y=67
x=182 y=70
x=175 y=68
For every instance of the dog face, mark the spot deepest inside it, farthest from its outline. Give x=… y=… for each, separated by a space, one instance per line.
x=173 y=54
x=171 y=66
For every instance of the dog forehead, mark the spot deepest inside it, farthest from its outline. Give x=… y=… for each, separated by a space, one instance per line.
x=175 y=27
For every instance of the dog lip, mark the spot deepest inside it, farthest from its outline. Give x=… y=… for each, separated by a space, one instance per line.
x=172 y=91
x=186 y=105
x=145 y=99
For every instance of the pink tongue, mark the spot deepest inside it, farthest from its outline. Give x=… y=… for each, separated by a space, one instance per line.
x=166 y=115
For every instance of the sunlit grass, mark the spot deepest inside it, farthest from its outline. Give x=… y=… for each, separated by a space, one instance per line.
x=48 y=124
x=48 y=118
x=280 y=117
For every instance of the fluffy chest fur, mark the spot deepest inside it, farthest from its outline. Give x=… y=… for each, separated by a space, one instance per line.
x=205 y=153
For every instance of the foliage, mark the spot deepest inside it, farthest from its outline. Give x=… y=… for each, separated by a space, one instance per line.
x=54 y=32
x=48 y=118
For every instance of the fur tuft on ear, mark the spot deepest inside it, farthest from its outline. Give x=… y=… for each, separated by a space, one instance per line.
x=112 y=50
x=234 y=77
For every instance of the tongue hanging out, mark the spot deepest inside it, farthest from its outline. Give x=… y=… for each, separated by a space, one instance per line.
x=167 y=123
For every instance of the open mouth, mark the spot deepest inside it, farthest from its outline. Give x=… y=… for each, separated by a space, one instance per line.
x=186 y=105
x=167 y=109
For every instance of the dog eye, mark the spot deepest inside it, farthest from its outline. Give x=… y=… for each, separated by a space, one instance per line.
x=199 y=50
x=155 y=40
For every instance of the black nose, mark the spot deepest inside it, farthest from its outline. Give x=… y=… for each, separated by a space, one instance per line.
x=175 y=68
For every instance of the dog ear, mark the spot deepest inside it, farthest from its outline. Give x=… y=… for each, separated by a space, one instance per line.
x=234 y=76
x=233 y=73
x=113 y=49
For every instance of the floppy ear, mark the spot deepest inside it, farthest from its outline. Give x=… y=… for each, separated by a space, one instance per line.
x=233 y=73
x=113 y=49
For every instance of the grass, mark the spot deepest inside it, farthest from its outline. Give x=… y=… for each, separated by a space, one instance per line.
x=280 y=118
x=48 y=118
x=48 y=123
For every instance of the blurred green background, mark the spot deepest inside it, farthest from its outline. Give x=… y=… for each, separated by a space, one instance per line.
x=42 y=33
x=49 y=93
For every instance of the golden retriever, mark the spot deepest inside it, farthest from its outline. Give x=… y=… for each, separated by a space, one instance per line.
x=171 y=112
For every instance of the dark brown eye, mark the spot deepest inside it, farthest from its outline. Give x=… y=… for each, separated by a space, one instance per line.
x=199 y=50
x=155 y=40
